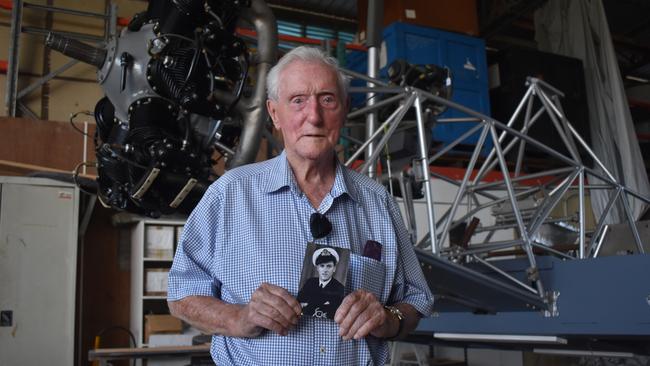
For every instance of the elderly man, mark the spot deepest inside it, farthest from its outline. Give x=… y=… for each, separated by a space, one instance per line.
x=237 y=267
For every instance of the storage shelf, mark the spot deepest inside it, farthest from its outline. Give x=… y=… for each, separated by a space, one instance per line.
x=159 y=236
x=154 y=297
x=151 y=259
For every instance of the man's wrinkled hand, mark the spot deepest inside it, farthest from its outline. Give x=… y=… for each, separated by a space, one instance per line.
x=271 y=307
x=361 y=314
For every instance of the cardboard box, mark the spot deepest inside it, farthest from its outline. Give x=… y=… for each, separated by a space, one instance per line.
x=459 y=16
x=179 y=232
x=159 y=242
x=155 y=281
x=161 y=324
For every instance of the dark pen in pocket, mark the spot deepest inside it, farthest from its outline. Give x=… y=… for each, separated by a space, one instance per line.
x=372 y=249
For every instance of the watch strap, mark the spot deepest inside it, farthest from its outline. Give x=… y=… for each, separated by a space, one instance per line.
x=397 y=313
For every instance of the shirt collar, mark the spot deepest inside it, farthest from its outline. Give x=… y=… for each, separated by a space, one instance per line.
x=342 y=183
x=281 y=175
x=324 y=283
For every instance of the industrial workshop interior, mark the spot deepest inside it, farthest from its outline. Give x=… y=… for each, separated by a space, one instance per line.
x=171 y=184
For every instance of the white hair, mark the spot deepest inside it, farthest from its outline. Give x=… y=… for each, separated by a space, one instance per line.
x=308 y=54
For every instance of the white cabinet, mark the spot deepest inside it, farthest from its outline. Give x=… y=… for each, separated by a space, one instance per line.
x=153 y=242
x=38 y=268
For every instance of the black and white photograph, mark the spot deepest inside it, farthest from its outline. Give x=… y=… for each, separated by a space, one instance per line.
x=322 y=281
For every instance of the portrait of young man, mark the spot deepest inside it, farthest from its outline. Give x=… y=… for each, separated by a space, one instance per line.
x=321 y=295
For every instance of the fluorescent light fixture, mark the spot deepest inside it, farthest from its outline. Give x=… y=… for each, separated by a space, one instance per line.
x=577 y=352
x=635 y=78
x=505 y=338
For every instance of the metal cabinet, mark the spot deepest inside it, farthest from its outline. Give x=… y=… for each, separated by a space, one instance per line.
x=463 y=55
x=38 y=268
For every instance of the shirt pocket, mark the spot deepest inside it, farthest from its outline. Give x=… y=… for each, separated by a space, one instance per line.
x=368 y=274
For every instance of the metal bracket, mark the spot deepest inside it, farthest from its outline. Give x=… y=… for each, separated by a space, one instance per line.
x=180 y=197
x=551 y=300
x=417 y=170
x=147 y=183
x=533 y=274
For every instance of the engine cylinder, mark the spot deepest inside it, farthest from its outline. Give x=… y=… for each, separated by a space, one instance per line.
x=77 y=50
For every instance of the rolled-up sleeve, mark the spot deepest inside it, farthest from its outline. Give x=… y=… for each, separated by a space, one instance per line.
x=192 y=271
x=409 y=285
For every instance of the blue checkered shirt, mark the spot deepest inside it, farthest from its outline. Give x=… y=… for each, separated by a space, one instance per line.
x=252 y=226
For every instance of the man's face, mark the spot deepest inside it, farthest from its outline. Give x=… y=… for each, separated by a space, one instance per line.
x=326 y=270
x=309 y=111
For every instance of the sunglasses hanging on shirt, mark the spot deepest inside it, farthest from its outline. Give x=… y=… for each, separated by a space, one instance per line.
x=319 y=225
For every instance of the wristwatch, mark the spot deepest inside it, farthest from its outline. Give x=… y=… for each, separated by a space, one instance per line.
x=397 y=313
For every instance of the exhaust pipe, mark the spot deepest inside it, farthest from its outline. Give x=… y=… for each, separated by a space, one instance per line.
x=254 y=108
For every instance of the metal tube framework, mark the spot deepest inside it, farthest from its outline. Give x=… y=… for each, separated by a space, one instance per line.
x=541 y=98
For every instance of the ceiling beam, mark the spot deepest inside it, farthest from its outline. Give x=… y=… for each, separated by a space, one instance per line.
x=509 y=15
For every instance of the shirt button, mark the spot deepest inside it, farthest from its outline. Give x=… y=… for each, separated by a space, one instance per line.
x=322 y=349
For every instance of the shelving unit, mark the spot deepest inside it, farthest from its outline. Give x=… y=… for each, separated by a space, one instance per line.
x=153 y=243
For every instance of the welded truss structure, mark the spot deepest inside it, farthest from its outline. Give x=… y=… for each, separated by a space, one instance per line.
x=572 y=175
